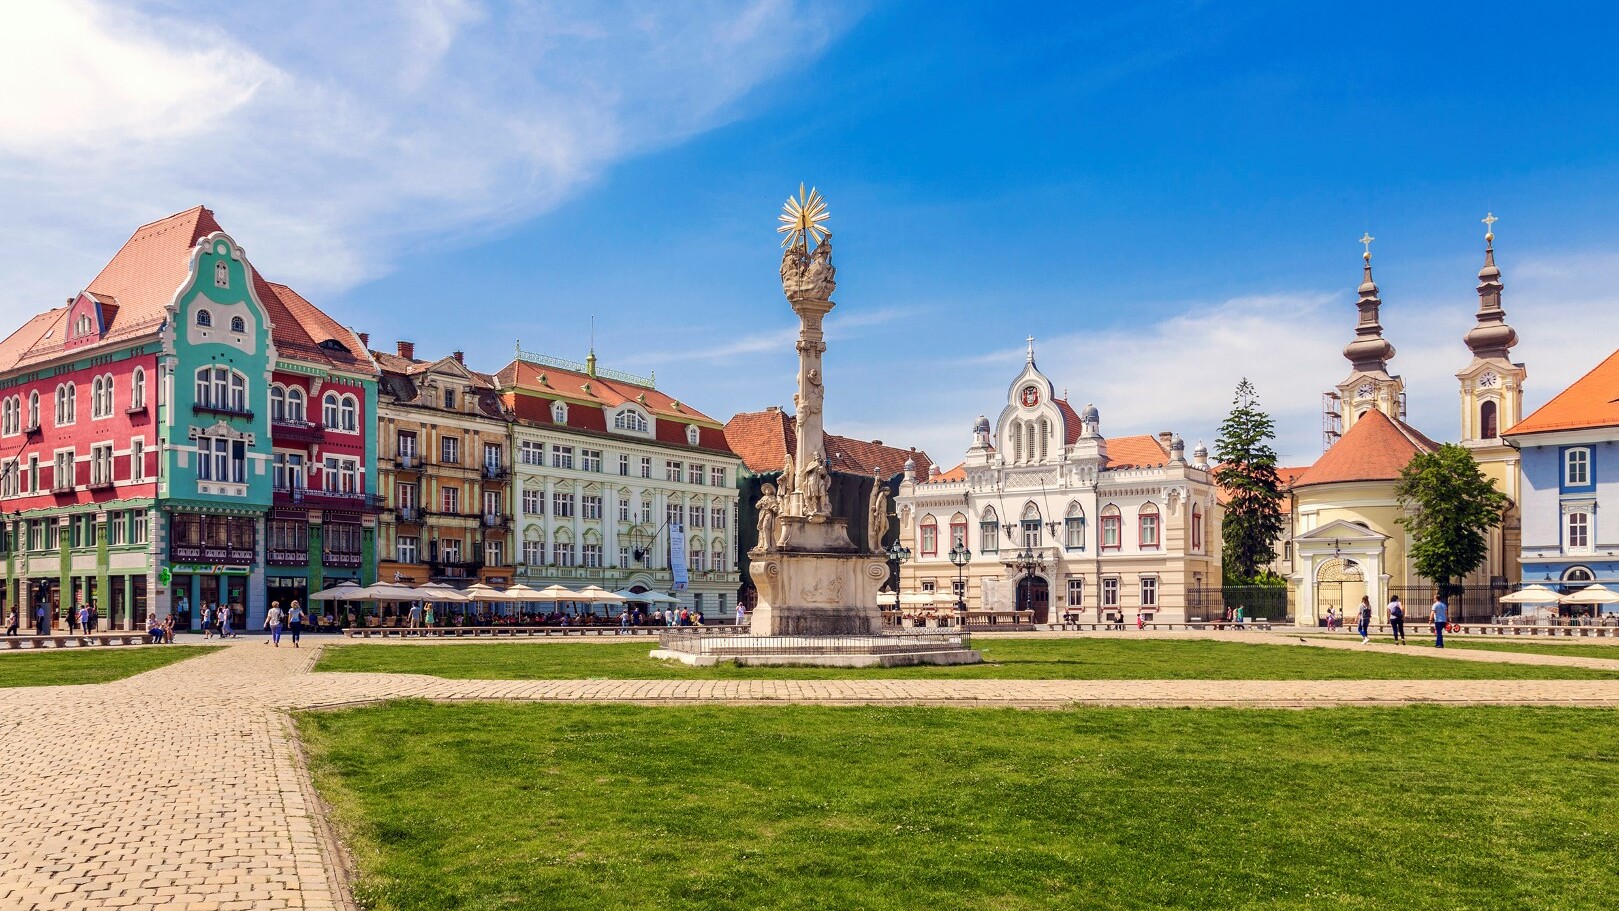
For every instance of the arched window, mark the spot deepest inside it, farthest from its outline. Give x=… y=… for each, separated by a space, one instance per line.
x=1073 y=528
x=989 y=531
x=296 y=411
x=67 y=400
x=1578 y=574
x=221 y=389
x=238 y=391
x=1028 y=436
x=204 y=318
x=237 y=324
x=1045 y=437
x=1147 y=518
x=328 y=410
x=349 y=414
x=98 y=387
x=221 y=276
x=33 y=409
x=137 y=388
x=630 y=419
x=929 y=542
x=1017 y=442
x=719 y=555
x=958 y=531
x=1197 y=528
x=1112 y=523
x=1030 y=522
x=559 y=412
x=10 y=410
x=278 y=403
x=1487 y=428
x=692 y=436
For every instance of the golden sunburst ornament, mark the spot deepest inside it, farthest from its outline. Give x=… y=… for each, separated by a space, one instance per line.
x=803 y=215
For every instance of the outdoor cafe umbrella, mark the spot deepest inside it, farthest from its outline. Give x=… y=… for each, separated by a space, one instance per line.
x=595 y=594
x=646 y=597
x=1532 y=594
x=438 y=591
x=478 y=591
x=343 y=591
x=521 y=592
x=557 y=593
x=1592 y=594
x=383 y=591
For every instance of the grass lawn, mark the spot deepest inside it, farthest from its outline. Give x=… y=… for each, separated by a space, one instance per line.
x=54 y=667
x=1009 y=659
x=515 y=806
x=1572 y=649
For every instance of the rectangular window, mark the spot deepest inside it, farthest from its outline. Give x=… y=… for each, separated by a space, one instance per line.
x=646 y=510
x=10 y=478
x=533 y=552
x=533 y=503
x=696 y=517
x=1579 y=530
x=1110 y=532
x=623 y=555
x=717 y=518
x=562 y=505
x=531 y=453
x=101 y=463
x=62 y=472
x=137 y=460
x=1031 y=533
x=450 y=500
x=592 y=554
x=590 y=459
x=561 y=456
x=1076 y=592
x=449 y=450
x=1577 y=467
x=491 y=504
x=562 y=553
x=590 y=506
x=694 y=473
x=672 y=513
x=958 y=588
x=409 y=548
x=646 y=466
x=137 y=528
x=1149 y=591
x=493 y=458
x=930 y=540
x=117 y=528
x=623 y=510
x=716 y=476
x=671 y=471
x=930 y=586
x=1149 y=530
x=1110 y=592
x=958 y=535
x=494 y=553
x=451 y=548
x=407 y=447
x=623 y=465
x=989 y=538
x=1073 y=533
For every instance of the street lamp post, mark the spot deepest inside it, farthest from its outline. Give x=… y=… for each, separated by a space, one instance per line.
x=897 y=554
x=1027 y=562
x=960 y=556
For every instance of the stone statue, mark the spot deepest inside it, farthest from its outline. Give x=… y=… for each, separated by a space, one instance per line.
x=877 y=519
x=786 y=501
x=816 y=488
x=806 y=274
x=769 y=507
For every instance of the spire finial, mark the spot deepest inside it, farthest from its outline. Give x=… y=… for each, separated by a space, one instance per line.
x=1489 y=220
x=1030 y=340
x=1490 y=337
x=1366 y=240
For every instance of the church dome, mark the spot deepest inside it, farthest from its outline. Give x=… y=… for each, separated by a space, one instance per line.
x=910 y=466
x=1091 y=415
x=982 y=425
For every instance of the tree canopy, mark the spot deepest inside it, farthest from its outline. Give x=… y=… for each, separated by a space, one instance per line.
x=1449 y=505
x=1246 y=468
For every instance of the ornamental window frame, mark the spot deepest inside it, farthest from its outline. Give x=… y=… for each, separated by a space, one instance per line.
x=1149 y=527
x=1577 y=467
x=928 y=536
x=1112 y=537
x=1578 y=526
x=631 y=420
x=989 y=531
x=137 y=388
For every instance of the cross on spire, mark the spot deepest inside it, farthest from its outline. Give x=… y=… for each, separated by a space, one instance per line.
x=1489 y=220
x=1366 y=239
x=1031 y=348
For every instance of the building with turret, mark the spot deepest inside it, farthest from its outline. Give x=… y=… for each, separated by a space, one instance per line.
x=1059 y=519
x=1346 y=540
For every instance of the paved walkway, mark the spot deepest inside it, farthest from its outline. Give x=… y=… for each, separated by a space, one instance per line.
x=181 y=787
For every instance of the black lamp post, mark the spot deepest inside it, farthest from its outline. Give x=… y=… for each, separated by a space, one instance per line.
x=1027 y=561
x=897 y=554
x=960 y=556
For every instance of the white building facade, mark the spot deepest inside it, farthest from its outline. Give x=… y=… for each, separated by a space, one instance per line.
x=1061 y=521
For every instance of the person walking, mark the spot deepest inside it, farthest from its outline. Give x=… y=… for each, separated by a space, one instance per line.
x=207 y=623
x=72 y=620
x=415 y=620
x=427 y=613
x=1441 y=619
x=1397 y=619
x=1363 y=619
x=223 y=613
x=741 y=614
x=41 y=623
x=295 y=622
x=11 y=623
x=272 y=622
x=84 y=619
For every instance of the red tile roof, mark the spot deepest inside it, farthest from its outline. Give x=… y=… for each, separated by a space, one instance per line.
x=1145 y=451
x=1070 y=419
x=1377 y=448
x=569 y=386
x=300 y=327
x=764 y=439
x=958 y=473
x=1592 y=401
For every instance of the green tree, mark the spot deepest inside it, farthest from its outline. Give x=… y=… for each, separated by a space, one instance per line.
x=1449 y=506
x=1246 y=468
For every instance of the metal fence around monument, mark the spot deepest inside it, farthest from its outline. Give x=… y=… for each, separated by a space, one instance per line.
x=729 y=643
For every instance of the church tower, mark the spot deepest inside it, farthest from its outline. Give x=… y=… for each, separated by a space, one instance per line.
x=1369 y=384
x=1491 y=402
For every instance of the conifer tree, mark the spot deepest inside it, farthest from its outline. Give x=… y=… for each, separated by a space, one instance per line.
x=1246 y=468
x=1449 y=506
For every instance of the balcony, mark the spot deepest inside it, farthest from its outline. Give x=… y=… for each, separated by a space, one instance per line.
x=328 y=499
x=409 y=515
x=495 y=520
x=101 y=483
x=294 y=430
x=340 y=558
x=233 y=554
x=408 y=462
x=276 y=556
x=496 y=473
x=61 y=487
x=223 y=410
x=33 y=430
x=137 y=408
x=454 y=569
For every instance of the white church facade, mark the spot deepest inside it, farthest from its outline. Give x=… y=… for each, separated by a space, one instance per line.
x=1060 y=520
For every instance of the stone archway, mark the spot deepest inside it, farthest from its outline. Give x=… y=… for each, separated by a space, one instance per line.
x=1339 y=583
x=1034 y=594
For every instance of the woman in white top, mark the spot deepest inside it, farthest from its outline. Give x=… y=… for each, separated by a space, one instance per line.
x=295 y=622
x=272 y=622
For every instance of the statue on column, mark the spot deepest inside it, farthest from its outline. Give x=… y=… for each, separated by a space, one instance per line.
x=769 y=507
x=816 y=486
x=787 y=500
x=877 y=517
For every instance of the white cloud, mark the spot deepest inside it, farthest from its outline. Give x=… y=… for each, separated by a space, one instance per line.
x=1180 y=373
x=335 y=138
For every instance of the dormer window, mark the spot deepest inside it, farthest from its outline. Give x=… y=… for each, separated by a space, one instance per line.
x=204 y=318
x=692 y=435
x=559 y=412
x=631 y=420
x=84 y=325
x=237 y=324
x=449 y=398
x=221 y=275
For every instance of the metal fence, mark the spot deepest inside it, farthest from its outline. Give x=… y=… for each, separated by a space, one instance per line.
x=1257 y=602
x=1467 y=603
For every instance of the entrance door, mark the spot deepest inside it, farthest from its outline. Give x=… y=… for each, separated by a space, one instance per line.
x=1033 y=593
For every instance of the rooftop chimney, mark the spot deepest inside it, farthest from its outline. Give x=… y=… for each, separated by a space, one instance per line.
x=407 y=350
x=1165 y=436
x=460 y=356
x=365 y=340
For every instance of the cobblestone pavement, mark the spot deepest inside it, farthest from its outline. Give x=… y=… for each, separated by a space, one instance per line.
x=181 y=787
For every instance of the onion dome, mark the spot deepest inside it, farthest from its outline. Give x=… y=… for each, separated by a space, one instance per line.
x=981 y=425
x=1369 y=352
x=1490 y=336
x=1091 y=415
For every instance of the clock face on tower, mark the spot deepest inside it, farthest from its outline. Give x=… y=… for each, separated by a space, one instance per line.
x=1030 y=396
x=1364 y=392
x=1488 y=380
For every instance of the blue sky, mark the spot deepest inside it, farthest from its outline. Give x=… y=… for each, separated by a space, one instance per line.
x=1166 y=196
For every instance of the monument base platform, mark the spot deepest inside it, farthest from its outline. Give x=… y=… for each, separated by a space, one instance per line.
x=703 y=650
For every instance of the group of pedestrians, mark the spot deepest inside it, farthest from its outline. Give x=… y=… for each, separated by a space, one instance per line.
x=1439 y=616
x=216 y=621
x=292 y=619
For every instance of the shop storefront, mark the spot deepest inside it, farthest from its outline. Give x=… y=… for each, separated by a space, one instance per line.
x=211 y=559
